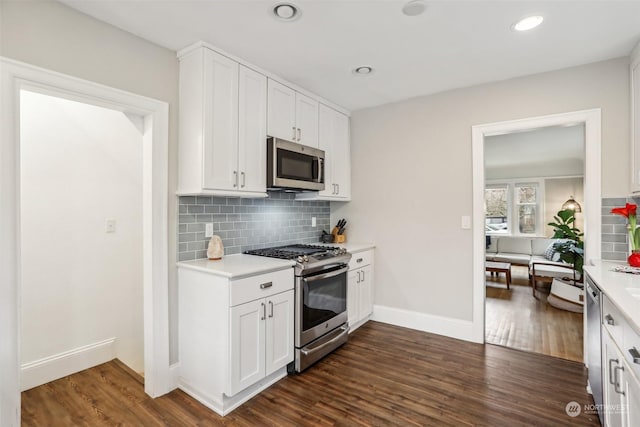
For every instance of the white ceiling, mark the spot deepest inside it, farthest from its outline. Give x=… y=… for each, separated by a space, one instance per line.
x=453 y=44
x=543 y=152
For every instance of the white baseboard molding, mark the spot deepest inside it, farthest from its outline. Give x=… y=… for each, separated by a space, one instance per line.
x=453 y=328
x=174 y=375
x=60 y=365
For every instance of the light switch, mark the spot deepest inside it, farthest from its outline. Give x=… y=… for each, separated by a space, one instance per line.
x=208 y=229
x=466 y=222
x=110 y=225
x=313 y=221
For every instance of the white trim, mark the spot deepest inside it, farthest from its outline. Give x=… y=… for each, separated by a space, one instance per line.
x=447 y=326
x=592 y=192
x=15 y=76
x=60 y=365
x=174 y=375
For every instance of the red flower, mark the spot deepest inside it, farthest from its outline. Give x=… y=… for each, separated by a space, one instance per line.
x=629 y=209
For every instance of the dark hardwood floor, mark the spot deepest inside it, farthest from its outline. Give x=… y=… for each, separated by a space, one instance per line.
x=384 y=375
x=514 y=318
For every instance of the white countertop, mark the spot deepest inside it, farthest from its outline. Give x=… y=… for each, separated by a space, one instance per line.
x=238 y=265
x=619 y=287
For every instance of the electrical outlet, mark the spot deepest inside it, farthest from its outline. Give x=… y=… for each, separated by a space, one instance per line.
x=208 y=229
x=313 y=221
x=110 y=225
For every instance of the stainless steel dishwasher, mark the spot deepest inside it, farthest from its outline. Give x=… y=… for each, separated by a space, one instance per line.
x=594 y=338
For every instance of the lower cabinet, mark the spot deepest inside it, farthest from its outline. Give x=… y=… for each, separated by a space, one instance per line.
x=236 y=337
x=261 y=339
x=621 y=386
x=360 y=288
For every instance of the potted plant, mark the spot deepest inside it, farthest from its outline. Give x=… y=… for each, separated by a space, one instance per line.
x=571 y=248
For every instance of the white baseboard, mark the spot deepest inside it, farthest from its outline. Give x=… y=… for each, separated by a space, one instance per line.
x=60 y=365
x=174 y=375
x=453 y=328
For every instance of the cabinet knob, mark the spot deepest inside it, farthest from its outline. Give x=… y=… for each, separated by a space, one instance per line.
x=266 y=285
x=609 y=319
x=635 y=354
x=359 y=260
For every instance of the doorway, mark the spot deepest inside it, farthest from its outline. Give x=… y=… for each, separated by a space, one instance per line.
x=529 y=176
x=14 y=78
x=592 y=192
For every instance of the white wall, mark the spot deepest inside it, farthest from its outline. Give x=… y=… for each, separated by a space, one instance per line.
x=49 y=34
x=412 y=176
x=80 y=164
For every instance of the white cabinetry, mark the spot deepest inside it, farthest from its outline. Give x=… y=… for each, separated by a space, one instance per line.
x=236 y=336
x=621 y=387
x=292 y=115
x=334 y=139
x=635 y=119
x=360 y=288
x=223 y=113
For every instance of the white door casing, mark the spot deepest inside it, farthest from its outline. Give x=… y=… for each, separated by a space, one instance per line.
x=14 y=77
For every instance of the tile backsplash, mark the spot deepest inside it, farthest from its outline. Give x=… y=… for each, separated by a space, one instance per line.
x=615 y=245
x=245 y=224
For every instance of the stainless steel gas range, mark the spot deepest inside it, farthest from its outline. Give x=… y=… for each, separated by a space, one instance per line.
x=321 y=299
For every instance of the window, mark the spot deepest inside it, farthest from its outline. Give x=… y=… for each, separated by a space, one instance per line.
x=513 y=207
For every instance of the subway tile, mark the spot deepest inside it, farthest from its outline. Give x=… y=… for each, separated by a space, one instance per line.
x=617 y=238
x=204 y=200
x=196 y=246
x=621 y=247
x=196 y=209
x=204 y=218
x=183 y=209
x=186 y=256
x=186 y=219
x=212 y=209
x=219 y=200
x=620 y=228
x=226 y=209
x=186 y=237
x=614 y=256
x=614 y=202
x=195 y=227
x=613 y=219
x=606 y=247
x=187 y=200
x=182 y=228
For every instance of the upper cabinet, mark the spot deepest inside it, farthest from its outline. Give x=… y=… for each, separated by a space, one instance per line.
x=223 y=111
x=227 y=109
x=334 y=140
x=292 y=115
x=635 y=119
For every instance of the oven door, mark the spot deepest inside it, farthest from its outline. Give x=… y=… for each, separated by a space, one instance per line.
x=321 y=303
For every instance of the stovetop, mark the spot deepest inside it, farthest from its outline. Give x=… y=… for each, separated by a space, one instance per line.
x=295 y=251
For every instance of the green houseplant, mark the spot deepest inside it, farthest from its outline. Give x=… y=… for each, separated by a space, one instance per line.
x=571 y=248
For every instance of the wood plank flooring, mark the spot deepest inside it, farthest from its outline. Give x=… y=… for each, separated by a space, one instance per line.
x=385 y=375
x=515 y=319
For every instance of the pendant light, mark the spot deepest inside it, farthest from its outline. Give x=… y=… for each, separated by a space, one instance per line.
x=571 y=205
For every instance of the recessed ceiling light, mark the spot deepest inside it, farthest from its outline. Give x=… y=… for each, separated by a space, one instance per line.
x=528 y=23
x=414 y=8
x=286 y=11
x=363 y=70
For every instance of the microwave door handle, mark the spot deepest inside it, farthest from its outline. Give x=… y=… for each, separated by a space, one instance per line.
x=320 y=169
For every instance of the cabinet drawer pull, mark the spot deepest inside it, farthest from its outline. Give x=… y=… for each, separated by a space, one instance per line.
x=299 y=134
x=635 y=354
x=294 y=133
x=264 y=311
x=235 y=178
x=359 y=260
x=243 y=179
x=266 y=285
x=609 y=320
x=270 y=308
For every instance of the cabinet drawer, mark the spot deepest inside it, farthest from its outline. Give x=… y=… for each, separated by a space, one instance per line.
x=612 y=320
x=631 y=342
x=360 y=259
x=264 y=285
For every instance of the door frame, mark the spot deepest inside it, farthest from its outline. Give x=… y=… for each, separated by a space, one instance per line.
x=15 y=76
x=592 y=192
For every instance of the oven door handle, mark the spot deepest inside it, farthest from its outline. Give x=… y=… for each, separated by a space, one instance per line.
x=341 y=331
x=326 y=275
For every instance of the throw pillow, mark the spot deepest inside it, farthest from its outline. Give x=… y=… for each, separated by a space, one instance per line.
x=551 y=254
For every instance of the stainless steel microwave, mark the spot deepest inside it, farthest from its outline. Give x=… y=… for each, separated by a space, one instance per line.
x=294 y=166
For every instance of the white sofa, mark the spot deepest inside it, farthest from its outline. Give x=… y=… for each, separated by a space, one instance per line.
x=529 y=251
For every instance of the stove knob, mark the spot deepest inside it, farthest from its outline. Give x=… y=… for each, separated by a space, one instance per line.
x=300 y=259
x=305 y=258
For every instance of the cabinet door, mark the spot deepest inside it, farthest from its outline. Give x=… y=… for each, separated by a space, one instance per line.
x=353 y=287
x=635 y=123
x=325 y=142
x=220 y=148
x=247 y=344
x=279 y=333
x=612 y=383
x=252 y=131
x=307 y=120
x=366 y=291
x=341 y=150
x=281 y=111
x=633 y=400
